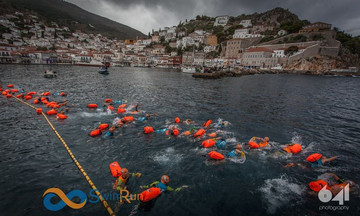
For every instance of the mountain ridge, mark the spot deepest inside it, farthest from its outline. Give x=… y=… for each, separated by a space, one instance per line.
x=71 y=15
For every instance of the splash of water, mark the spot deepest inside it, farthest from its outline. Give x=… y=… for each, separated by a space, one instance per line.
x=279 y=192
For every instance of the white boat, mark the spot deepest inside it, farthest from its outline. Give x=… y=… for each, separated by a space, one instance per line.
x=49 y=74
x=188 y=69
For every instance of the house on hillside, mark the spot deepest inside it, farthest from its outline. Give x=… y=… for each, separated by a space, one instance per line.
x=221 y=20
x=211 y=40
x=259 y=57
x=282 y=32
x=236 y=47
x=246 y=23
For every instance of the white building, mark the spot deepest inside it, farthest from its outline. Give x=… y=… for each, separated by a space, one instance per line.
x=187 y=41
x=208 y=49
x=279 y=53
x=221 y=20
x=246 y=23
x=282 y=32
x=245 y=33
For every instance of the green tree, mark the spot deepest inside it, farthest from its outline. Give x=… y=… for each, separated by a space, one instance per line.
x=162 y=39
x=291 y=50
x=292 y=27
x=179 y=51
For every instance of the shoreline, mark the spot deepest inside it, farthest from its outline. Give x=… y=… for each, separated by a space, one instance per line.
x=220 y=74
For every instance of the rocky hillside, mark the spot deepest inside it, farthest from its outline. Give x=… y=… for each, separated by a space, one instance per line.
x=276 y=19
x=70 y=15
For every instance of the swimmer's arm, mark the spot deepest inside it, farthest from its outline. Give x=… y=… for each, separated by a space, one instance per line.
x=168 y=188
x=335 y=176
x=177 y=189
x=135 y=175
x=150 y=185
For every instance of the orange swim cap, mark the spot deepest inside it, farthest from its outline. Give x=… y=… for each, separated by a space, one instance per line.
x=124 y=172
x=177 y=120
x=165 y=179
x=238 y=146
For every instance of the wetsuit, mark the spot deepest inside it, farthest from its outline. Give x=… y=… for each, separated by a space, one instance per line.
x=162 y=187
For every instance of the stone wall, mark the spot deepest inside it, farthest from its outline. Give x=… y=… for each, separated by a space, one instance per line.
x=310 y=51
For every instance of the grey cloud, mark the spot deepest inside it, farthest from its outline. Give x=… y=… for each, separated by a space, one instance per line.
x=341 y=13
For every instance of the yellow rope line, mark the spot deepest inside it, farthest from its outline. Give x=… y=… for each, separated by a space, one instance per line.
x=103 y=201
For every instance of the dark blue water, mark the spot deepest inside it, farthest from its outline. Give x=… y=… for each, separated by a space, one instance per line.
x=322 y=113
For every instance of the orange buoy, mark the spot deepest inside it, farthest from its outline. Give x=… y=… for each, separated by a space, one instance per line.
x=318 y=185
x=208 y=143
x=122 y=106
x=27 y=97
x=212 y=134
x=150 y=194
x=61 y=116
x=216 y=155
x=128 y=119
x=199 y=133
x=92 y=106
x=111 y=108
x=5 y=92
x=36 y=101
x=103 y=126
x=121 y=110
x=148 y=130
x=8 y=95
x=14 y=90
x=177 y=120
x=46 y=93
x=187 y=133
x=314 y=157
x=31 y=93
x=20 y=95
x=108 y=100
x=115 y=169
x=207 y=123
x=95 y=132
x=51 y=112
x=63 y=94
x=175 y=132
x=38 y=110
x=52 y=104
x=253 y=144
x=295 y=148
x=10 y=86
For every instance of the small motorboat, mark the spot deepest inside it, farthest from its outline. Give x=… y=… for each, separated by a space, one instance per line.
x=49 y=74
x=103 y=70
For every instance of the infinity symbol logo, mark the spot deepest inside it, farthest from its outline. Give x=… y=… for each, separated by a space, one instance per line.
x=65 y=199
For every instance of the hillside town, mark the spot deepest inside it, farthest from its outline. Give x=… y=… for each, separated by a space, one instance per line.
x=259 y=44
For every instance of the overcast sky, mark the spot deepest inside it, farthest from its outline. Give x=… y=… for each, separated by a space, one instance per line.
x=145 y=15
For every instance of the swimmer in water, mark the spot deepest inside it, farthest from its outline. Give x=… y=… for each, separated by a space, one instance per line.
x=319 y=162
x=333 y=183
x=188 y=121
x=147 y=116
x=123 y=179
x=237 y=152
x=136 y=107
x=257 y=142
x=323 y=161
x=163 y=185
